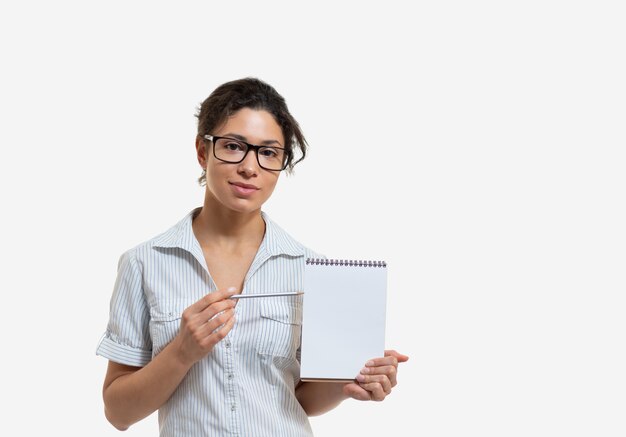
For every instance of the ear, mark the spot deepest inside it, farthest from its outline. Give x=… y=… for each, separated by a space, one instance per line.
x=202 y=150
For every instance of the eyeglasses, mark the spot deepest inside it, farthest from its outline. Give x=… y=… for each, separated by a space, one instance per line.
x=235 y=151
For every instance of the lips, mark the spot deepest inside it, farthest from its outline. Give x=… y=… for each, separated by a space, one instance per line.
x=242 y=185
x=243 y=189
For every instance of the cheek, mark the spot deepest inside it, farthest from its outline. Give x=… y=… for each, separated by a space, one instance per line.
x=271 y=184
x=214 y=177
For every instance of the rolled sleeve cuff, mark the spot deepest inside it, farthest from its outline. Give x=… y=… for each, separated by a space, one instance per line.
x=123 y=354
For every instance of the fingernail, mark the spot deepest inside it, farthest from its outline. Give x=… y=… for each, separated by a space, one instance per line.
x=360 y=378
x=365 y=370
x=369 y=363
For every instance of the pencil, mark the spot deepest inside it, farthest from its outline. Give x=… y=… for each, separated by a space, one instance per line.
x=244 y=296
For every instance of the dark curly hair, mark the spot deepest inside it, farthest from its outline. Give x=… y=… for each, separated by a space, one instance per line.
x=251 y=93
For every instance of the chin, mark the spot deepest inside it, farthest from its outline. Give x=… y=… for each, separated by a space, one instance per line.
x=243 y=206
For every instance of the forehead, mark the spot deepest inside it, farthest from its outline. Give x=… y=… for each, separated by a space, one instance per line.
x=254 y=125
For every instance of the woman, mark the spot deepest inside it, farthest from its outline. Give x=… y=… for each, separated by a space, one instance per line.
x=176 y=342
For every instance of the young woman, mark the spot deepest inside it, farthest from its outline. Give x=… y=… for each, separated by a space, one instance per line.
x=176 y=342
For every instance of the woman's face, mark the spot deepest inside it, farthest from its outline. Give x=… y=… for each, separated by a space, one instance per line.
x=245 y=186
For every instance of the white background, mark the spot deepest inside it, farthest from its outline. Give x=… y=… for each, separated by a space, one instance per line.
x=478 y=147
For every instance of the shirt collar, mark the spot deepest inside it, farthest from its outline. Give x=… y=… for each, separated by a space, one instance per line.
x=275 y=242
x=278 y=242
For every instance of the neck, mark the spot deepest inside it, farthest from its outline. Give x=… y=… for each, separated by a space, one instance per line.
x=218 y=227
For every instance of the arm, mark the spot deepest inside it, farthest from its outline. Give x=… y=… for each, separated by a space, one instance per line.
x=132 y=393
x=374 y=382
x=320 y=397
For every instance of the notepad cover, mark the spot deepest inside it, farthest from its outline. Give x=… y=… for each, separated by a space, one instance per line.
x=343 y=323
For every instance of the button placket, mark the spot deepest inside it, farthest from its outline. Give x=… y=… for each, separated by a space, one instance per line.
x=229 y=373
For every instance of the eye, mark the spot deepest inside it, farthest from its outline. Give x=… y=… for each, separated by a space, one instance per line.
x=232 y=146
x=268 y=152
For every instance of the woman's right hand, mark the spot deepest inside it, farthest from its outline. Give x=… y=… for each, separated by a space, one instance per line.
x=199 y=325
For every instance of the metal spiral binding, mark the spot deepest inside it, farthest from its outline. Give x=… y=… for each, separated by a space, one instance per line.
x=345 y=262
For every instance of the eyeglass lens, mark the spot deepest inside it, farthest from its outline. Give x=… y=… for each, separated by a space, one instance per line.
x=229 y=150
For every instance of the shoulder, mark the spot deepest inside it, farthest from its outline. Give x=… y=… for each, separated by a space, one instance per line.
x=176 y=236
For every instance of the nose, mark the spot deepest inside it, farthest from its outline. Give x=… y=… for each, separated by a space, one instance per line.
x=250 y=165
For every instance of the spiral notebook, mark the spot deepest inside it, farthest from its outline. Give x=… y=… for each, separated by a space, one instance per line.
x=343 y=319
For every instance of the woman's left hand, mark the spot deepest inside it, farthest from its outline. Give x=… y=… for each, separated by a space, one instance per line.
x=377 y=378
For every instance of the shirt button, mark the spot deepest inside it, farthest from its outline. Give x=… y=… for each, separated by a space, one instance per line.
x=230 y=376
x=233 y=407
x=227 y=344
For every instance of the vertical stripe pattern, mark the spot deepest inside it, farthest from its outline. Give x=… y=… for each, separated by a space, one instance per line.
x=246 y=385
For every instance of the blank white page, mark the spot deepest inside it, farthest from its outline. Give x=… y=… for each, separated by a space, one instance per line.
x=343 y=320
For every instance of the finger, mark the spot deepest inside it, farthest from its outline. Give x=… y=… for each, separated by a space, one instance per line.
x=400 y=357
x=194 y=320
x=382 y=361
x=210 y=298
x=390 y=371
x=214 y=309
x=355 y=391
x=214 y=323
x=381 y=380
x=218 y=334
x=376 y=391
x=201 y=333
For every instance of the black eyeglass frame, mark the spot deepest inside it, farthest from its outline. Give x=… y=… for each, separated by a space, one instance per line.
x=214 y=138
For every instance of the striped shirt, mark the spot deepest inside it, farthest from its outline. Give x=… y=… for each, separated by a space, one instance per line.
x=246 y=384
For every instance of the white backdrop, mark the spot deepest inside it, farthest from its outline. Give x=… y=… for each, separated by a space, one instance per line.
x=478 y=147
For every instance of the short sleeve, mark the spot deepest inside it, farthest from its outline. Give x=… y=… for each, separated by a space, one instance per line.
x=127 y=338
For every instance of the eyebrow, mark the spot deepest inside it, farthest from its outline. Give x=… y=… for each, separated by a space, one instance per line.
x=242 y=138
